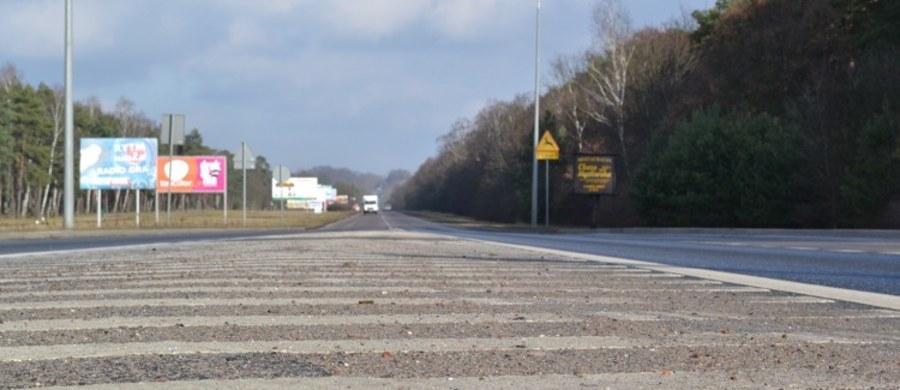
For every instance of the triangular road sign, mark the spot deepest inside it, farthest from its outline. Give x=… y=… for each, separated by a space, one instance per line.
x=547 y=148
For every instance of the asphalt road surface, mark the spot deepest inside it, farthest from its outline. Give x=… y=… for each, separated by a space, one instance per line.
x=388 y=301
x=864 y=261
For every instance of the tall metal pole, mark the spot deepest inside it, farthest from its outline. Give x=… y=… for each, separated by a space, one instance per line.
x=537 y=110
x=69 y=175
x=244 y=172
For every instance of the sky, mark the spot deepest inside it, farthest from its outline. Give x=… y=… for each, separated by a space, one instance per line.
x=368 y=85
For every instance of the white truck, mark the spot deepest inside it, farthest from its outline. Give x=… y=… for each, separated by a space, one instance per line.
x=370 y=204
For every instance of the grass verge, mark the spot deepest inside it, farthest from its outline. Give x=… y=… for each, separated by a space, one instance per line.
x=194 y=219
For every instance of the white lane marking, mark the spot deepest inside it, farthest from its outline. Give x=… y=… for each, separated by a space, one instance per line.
x=802 y=248
x=302 y=320
x=429 y=345
x=867 y=298
x=193 y=302
x=390 y=227
x=398 y=346
x=69 y=252
x=705 y=379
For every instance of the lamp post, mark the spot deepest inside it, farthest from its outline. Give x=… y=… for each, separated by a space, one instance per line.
x=69 y=164
x=537 y=105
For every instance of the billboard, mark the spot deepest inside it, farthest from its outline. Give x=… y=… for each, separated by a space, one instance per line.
x=595 y=174
x=192 y=174
x=117 y=163
x=296 y=188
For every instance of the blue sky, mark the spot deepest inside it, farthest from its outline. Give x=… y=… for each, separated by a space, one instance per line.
x=363 y=84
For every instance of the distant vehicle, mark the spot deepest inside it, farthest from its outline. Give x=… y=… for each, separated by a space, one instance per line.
x=370 y=204
x=387 y=207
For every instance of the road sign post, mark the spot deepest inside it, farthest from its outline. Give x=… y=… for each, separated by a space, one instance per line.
x=547 y=149
x=172 y=133
x=244 y=160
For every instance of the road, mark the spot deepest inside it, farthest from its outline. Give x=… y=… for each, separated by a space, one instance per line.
x=382 y=301
x=851 y=261
x=856 y=261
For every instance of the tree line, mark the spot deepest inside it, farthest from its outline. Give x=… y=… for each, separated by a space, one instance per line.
x=754 y=113
x=31 y=154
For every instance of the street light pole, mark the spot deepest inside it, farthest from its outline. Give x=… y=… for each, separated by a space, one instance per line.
x=537 y=109
x=69 y=169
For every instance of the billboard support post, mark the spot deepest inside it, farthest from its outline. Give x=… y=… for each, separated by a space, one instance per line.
x=244 y=180
x=137 y=207
x=169 y=177
x=99 y=206
x=225 y=201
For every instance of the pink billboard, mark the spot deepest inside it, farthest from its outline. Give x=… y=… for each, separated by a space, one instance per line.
x=203 y=174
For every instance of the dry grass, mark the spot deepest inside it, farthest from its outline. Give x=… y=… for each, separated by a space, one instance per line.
x=207 y=219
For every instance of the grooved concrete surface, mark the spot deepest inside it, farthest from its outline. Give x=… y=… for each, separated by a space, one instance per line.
x=393 y=309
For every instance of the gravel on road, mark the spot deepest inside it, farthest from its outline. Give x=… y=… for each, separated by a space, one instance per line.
x=394 y=309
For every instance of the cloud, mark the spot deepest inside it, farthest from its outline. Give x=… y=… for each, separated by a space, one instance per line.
x=29 y=22
x=38 y=26
x=467 y=19
x=267 y=7
x=374 y=18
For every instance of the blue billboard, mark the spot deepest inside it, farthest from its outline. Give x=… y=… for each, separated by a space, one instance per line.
x=118 y=163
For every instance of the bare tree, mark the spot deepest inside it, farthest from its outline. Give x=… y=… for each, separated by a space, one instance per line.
x=124 y=114
x=496 y=126
x=55 y=109
x=453 y=144
x=9 y=77
x=607 y=69
x=567 y=72
x=94 y=107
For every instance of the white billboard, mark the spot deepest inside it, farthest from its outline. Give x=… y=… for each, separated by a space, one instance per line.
x=296 y=188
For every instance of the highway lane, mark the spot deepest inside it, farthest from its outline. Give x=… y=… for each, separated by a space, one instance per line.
x=861 y=261
x=872 y=271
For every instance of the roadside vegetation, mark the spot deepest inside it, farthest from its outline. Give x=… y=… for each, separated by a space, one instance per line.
x=124 y=223
x=754 y=113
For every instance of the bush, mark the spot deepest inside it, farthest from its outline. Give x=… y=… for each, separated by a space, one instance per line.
x=874 y=177
x=720 y=169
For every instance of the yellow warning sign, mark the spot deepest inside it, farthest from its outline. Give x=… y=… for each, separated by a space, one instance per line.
x=547 y=148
